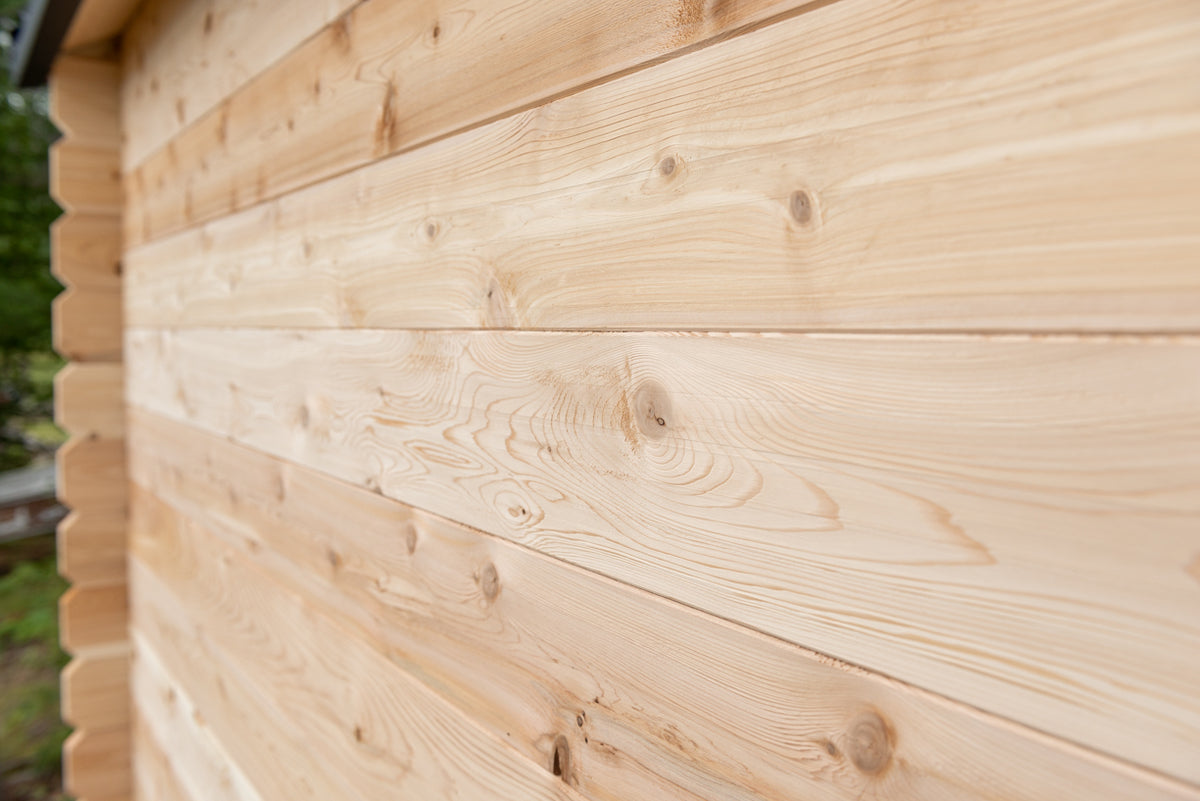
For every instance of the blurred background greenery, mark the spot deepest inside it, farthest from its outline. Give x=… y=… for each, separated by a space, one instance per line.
x=31 y=732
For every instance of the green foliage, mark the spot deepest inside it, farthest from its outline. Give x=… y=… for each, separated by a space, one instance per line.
x=26 y=286
x=31 y=733
x=28 y=603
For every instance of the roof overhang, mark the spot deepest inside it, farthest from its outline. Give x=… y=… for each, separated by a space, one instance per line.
x=44 y=26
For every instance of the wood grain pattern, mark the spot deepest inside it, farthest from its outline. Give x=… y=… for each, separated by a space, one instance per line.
x=85 y=178
x=153 y=774
x=98 y=21
x=91 y=546
x=381 y=733
x=91 y=474
x=891 y=500
x=653 y=700
x=93 y=619
x=85 y=250
x=89 y=399
x=378 y=81
x=96 y=765
x=87 y=324
x=95 y=692
x=999 y=184
x=183 y=57
x=84 y=104
x=181 y=752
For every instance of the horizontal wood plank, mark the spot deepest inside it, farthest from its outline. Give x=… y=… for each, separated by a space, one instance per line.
x=85 y=250
x=153 y=772
x=379 y=80
x=95 y=692
x=96 y=765
x=529 y=646
x=1001 y=184
x=84 y=98
x=91 y=474
x=97 y=21
x=182 y=753
x=889 y=500
x=182 y=57
x=93 y=620
x=89 y=399
x=380 y=733
x=87 y=324
x=85 y=178
x=91 y=546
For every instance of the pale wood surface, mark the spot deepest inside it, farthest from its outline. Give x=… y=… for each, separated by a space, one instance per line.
x=392 y=75
x=84 y=178
x=85 y=250
x=96 y=764
x=313 y=688
x=98 y=21
x=83 y=104
x=889 y=500
x=182 y=57
x=91 y=474
x=91 y=546
x=998 y=182
x=89 y=399
x=95 y=692
x=93 y=619
x=654 y=700
x=182 y=754
x=154 y=777
x=87 y=324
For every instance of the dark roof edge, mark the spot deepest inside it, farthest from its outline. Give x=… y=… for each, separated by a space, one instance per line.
x=44 y=25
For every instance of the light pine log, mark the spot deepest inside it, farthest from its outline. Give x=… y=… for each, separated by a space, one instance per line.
x=895 y=501
x=85 y=250
x=652 y=700
x=93 y=619
x=96 y=764
x=89 y=399
x=153 y=772
x=176 y=747
x=95 y=692
x=378 y=732
x=998 y=181
x=389 y=76
x=91 y=546
x=183 y=57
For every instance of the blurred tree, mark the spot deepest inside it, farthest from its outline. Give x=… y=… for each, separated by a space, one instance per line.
x=26 y=211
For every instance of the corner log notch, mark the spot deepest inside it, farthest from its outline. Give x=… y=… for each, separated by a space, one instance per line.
x=85 y=179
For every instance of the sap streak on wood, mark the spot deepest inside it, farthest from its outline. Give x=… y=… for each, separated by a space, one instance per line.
x=379 y=80
x=890 y=500
x=639 y=688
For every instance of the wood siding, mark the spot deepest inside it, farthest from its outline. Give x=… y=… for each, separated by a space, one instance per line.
x=751 y=400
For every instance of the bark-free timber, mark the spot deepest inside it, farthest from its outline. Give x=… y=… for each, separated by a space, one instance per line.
x=889 y=499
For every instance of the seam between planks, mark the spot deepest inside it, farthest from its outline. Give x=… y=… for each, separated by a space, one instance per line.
x=1132 y=769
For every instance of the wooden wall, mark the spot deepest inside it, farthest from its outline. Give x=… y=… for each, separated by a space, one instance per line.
x=659 y=399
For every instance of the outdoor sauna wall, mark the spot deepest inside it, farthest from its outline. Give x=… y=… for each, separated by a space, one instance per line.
x=662 y=400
